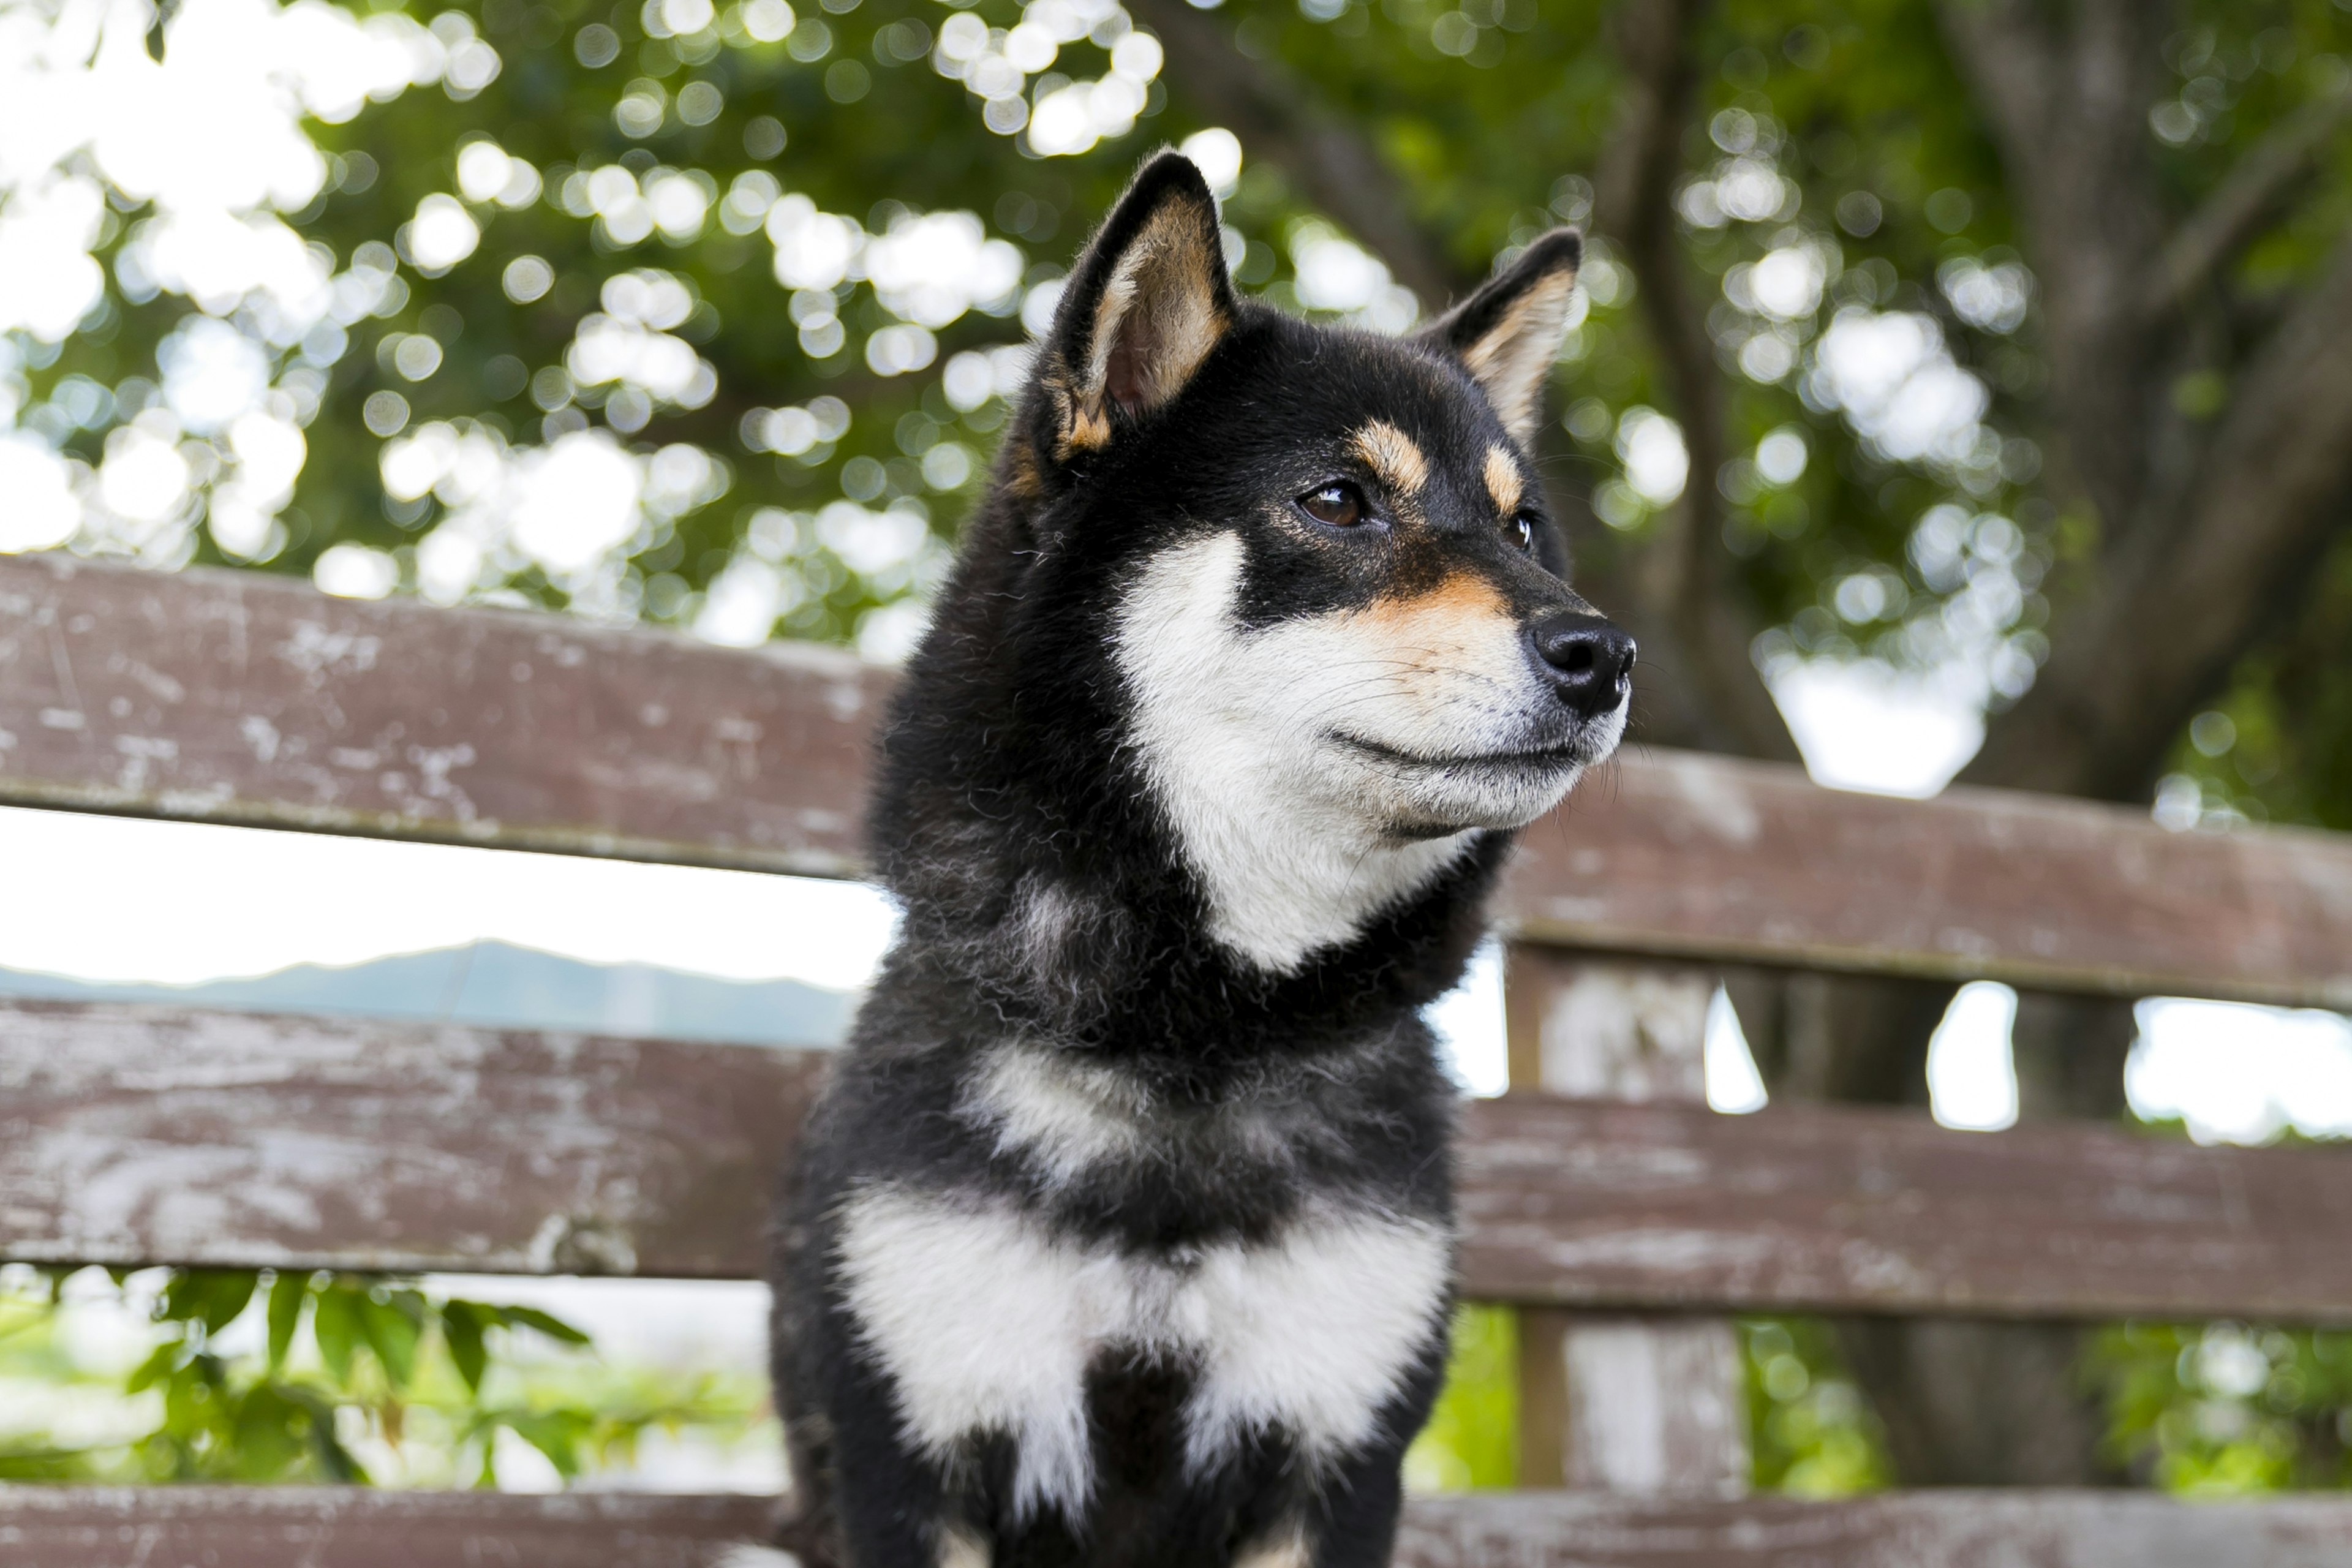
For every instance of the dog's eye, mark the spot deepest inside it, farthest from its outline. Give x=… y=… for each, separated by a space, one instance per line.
x=1520 y=528
x=1338 y=503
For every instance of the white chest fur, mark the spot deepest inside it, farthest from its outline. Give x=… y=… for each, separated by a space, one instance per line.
x=987 y=1323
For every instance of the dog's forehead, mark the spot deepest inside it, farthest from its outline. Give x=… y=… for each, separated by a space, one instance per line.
x=1404 y=413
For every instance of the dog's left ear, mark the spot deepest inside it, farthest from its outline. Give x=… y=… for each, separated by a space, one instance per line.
x=1147 y=302
x=1508 y=333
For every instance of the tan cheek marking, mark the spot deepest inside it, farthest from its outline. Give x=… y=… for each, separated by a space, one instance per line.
x=1502 y=479
x=1393 y=457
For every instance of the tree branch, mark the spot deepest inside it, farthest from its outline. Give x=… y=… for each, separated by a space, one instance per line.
x=2193 y=590
x=2067 y=102
x=1280 y=121
x=1685 y=583
x=2236 y=209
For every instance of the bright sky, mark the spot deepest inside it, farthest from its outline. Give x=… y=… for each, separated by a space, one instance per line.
x=122 y=900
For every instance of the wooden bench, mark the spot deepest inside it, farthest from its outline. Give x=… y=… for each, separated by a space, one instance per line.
x=1625 y=1225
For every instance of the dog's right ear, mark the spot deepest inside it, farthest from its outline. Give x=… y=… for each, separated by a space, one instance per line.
x=1147 y=302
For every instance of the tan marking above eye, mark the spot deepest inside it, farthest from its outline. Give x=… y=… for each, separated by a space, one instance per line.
x=1503 y=480
x=1394 y=458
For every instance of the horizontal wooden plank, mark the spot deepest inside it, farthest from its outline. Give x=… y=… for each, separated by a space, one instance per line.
x=343 y=1527
x=236 y=697
x=1593 y=1203
x=207 y=1527
x=140 y=1136
x=1954 y=1529
x=1680 y=853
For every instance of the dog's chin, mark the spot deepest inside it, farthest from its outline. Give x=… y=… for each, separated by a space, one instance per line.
x=1417 y=794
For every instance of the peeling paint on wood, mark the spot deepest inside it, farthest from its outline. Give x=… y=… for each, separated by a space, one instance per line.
x=342 y=1527
x=1676 y=854
x=1600 y=1205
x=152 y=1135
x=1642 y=1407
x=216 y=1527
x=236 y=697
x=1945 y=1529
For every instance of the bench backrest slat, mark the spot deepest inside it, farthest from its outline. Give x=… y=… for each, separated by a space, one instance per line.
x=136 y=1135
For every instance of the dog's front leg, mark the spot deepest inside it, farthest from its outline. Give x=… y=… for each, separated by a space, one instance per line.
x=893 y=1509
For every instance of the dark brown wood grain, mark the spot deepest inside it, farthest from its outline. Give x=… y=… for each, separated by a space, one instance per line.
x=1956 y=1529
x=1677 y=854
x=149 y=1135
x=1598 y=1205
x=342 y=1527
x=235 y=696
x=221 y=1527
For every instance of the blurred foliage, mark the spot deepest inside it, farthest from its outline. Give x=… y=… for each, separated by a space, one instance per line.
x=2224 y=1408
x=1809 y=1430
x=288 y=1378
x=1471 y=1438
x=2278 y=747
x=1838 y=166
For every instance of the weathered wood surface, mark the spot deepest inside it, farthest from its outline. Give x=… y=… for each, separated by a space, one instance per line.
x=234 y=696
x=1638 y=1406
x=2004 y=1528
x=1594 y=1204
x=211 y=1527
x=341 y=1527
x=1681 y=854
x=143 y=1135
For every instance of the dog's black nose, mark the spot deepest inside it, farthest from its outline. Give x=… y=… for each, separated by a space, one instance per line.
x=1588 y=660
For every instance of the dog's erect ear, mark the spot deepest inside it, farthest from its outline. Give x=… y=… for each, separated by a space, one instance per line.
x=1508 y=333
x=1148 y=299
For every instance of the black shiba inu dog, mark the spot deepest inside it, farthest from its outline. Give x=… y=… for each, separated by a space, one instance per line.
x=1123 y=1236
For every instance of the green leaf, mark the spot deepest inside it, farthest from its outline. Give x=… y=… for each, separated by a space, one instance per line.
x=287 y=1294
x=339 y=1462
x=461 y=1330
x=554 y=1432
x=165 y=1362
x=393 y=1334
x=269 y=1435
x=554 y=1328
x=211 y=1296
x=337 y=1323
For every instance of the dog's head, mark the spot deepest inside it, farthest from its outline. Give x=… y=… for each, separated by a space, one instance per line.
x=1332 y=595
